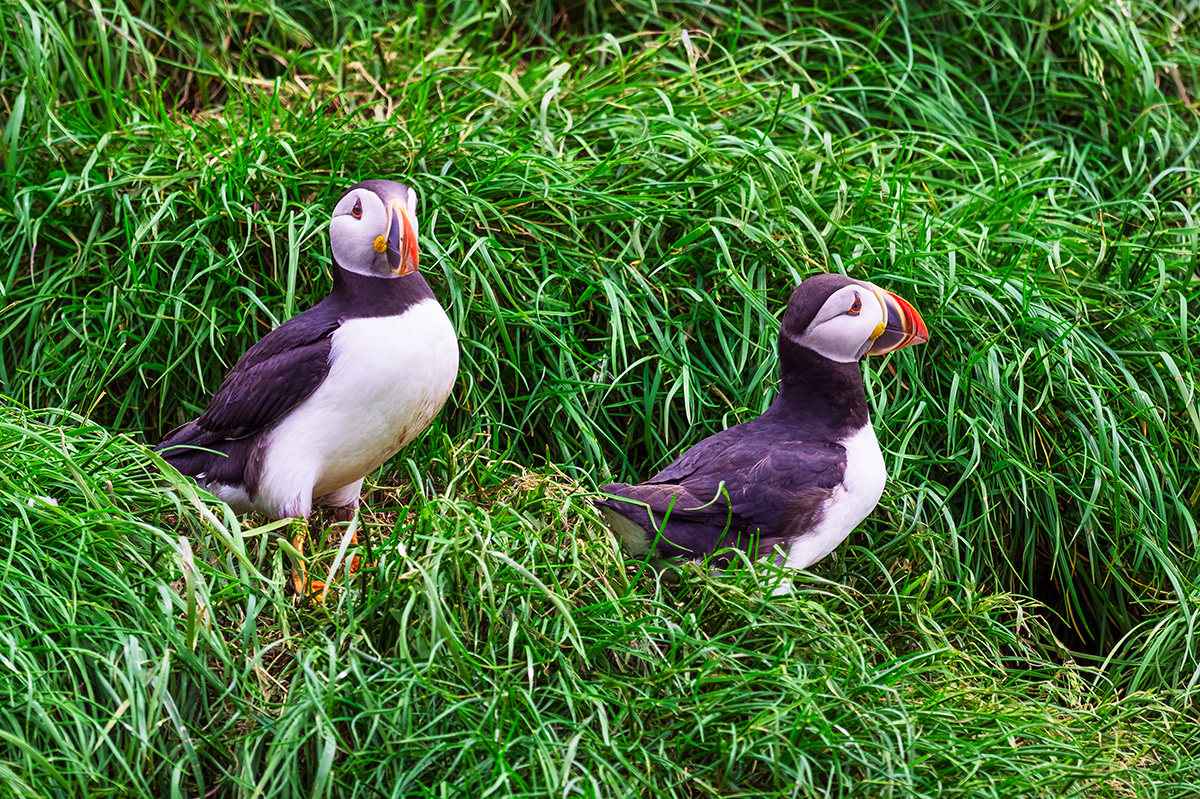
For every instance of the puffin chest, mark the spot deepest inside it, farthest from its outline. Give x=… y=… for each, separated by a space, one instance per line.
x=388 y=377
x=848 y=504
x=863 y=481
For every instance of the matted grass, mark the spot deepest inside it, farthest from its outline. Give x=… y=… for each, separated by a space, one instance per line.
x=615 y=202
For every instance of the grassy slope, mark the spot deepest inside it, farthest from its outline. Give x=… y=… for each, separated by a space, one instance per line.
x=613 y=213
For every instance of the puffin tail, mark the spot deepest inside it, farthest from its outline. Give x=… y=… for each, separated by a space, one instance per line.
x=199 y=453
x=179 y=447
x=658 y=515
x=627 y=519
x=670 y=519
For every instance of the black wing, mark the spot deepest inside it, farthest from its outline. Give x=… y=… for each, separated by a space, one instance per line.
x=273 y=377
x=734 y=491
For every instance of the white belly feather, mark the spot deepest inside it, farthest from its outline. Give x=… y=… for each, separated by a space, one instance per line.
x=850 y=503
x=388 y=377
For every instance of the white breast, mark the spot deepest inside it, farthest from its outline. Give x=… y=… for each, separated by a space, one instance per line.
x=850 y=503
x=388 y=377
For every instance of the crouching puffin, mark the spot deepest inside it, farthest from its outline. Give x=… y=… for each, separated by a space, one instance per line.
x=324 y=399
x=801 y=476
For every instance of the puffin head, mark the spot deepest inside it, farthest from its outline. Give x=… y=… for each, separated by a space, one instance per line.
x=374 y=229
x=844 y=319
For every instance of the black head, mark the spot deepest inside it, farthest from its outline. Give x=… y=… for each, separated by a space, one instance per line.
x=844 y=319
x=374 y=229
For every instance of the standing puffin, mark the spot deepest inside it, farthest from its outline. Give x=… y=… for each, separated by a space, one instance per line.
x=328 y=396
x=802 y=475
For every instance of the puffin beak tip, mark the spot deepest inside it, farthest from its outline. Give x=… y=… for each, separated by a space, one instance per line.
x=904 y=326
x=401 y=241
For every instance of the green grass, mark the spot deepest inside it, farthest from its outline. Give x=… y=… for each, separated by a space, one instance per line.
x=613 y=213
x=498 y=642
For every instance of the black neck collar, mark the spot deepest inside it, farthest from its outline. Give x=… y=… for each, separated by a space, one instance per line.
x=358 y=296
x=819 y=393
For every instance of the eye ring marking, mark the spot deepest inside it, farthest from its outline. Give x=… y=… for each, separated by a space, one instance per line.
x=855 y=307
x=356 y=211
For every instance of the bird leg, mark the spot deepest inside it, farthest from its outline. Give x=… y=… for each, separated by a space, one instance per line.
x=298 y=534
x=346 y=514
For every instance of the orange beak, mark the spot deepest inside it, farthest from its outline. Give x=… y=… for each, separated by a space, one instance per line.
x=903 y=327
x=401 y=240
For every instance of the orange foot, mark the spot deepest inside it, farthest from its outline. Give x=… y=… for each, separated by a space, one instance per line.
x=301 y=583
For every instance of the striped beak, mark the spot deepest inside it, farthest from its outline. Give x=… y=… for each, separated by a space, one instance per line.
x=401 y=240
x=903 y=327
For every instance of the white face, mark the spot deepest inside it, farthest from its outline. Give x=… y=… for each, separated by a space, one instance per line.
x=359 y=220
x=847 y=324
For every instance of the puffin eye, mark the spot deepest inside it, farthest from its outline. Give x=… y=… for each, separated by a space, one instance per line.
x=855 y=307
x=356 y=211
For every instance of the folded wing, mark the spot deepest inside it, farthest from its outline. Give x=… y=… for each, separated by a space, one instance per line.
x=743 y=491
x=274 y=376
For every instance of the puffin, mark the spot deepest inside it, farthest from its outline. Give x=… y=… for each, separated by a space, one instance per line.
x=795 y=481
x=327 y=397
